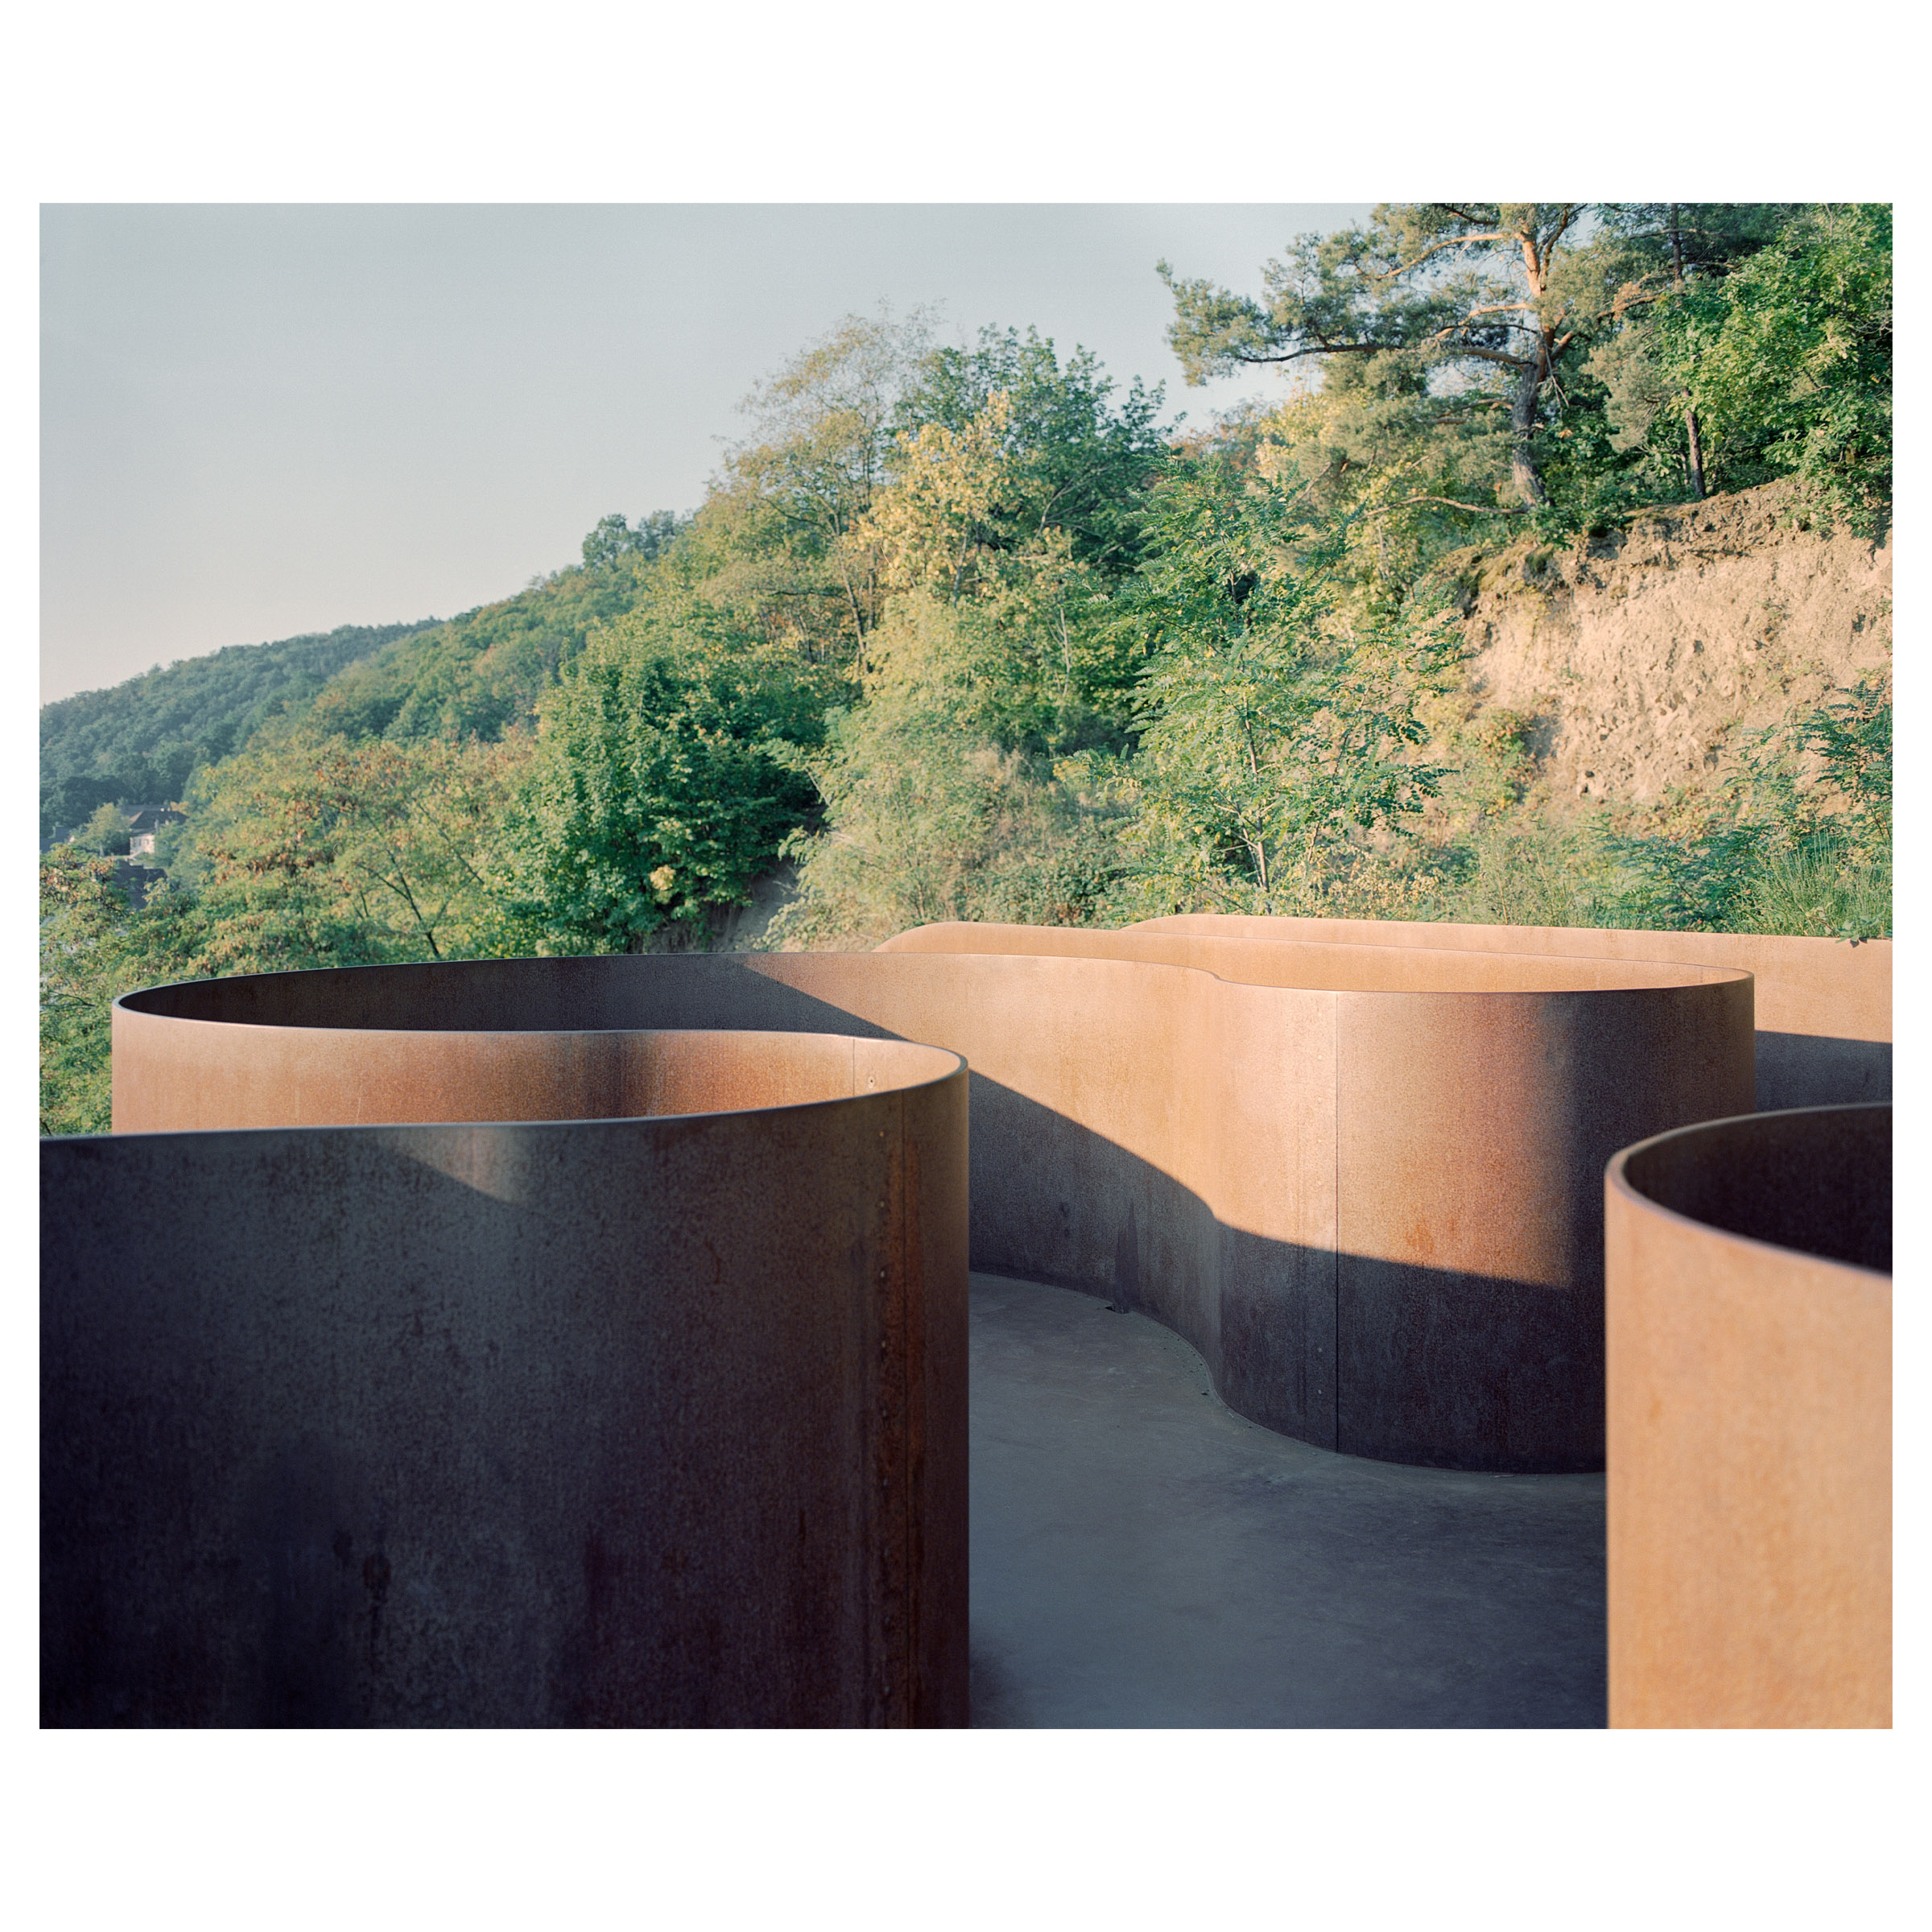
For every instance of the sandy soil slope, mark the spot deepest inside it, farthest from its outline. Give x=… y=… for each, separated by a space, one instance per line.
x=1637 y=656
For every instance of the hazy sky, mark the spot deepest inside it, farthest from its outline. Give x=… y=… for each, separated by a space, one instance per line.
x=258 y=421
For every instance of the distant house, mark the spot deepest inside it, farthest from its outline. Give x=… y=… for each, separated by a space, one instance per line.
x=143 y=824
x=129 y=874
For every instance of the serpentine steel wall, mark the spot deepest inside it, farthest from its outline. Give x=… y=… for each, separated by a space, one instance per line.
x=1824 y=1006
x=1364 y=1183
x=544 y=1418
x=1749 y=1312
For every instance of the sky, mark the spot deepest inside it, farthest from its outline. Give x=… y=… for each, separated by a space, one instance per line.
x=258 y=421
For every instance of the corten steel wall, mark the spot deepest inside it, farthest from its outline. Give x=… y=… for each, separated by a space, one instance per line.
x=1401 y=1152
x=556 y=1420
x=1824 y=1006
x=1749 y=1317
x=1377 y=1212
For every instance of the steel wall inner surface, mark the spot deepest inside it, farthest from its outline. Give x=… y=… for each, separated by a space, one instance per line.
x=1364 y=1185
x=539 y=1418
x=1749 y=1318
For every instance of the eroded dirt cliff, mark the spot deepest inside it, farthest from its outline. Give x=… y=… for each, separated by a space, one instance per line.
x=1633 y=659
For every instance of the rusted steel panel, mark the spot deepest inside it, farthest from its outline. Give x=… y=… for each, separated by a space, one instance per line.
x=1409 y=1261
x=1749 y=1321
x=1473 y=1134
x=1824 y=1006
x=1234 y=1136
x=526 y=1421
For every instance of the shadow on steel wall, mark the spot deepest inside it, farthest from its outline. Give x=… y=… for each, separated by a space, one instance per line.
x=235 y=1532
x=426 y=1513
x=502 y=1425
x=1362 y=1354
x=340 y=1453
x=1814 y=1070
x=1369 y=1356
x=1405 y=1363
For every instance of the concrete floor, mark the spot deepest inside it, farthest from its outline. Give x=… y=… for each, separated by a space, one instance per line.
x=1141 y=1556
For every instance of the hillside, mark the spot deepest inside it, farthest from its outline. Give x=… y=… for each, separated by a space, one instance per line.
x=138 y=741
x=964 y=634
x=475 y=675
x=482 y=672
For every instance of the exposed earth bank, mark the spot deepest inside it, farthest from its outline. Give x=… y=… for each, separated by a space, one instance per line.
x=1629 y=662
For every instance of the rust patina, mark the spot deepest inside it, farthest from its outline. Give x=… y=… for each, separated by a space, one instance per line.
x=1364 y=1183
x=583 y=1340
x=1750 y=1422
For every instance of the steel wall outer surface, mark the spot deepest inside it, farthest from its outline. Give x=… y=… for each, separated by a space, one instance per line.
x=1823 y=1006
x=1749 y=1321
x=1364 y=1185
x=577 y=1421
x=1407 y=1182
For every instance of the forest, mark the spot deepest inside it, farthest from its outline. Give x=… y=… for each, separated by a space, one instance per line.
x=972 y=632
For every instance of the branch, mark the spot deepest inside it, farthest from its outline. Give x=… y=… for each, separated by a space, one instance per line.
x=1499 y=308
x=1571 y=209
x=1481 y=355
x=1317 y=348
x=1436 y=248
x=1475 y=509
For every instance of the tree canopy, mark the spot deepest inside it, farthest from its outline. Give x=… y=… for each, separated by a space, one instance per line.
x=1471 y=353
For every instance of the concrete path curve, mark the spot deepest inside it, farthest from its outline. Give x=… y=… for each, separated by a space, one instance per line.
x=1143 y=1557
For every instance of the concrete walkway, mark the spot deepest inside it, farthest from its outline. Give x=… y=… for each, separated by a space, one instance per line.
x=1143 y=1557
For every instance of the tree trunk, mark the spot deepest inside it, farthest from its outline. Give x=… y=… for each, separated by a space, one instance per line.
x=1696 y=442
x=1522 y=423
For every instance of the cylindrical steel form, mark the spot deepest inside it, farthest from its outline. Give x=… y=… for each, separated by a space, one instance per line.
x=540 y=1419
x=1749 y=1324
x=1364 y=1183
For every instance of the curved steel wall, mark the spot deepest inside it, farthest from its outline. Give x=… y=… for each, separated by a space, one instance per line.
x=1399 y=1156
x=553 y=1419
x=1824 y=1006
x=1749 y=1318
x=1364 y=1183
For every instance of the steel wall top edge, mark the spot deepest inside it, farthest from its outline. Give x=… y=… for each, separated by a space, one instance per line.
x=1618 y=1182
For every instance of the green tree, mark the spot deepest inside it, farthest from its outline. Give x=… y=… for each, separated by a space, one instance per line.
x=771 y=545
x=1670 y=244
x=613 y=540
x=1046 y=666
x=322 y=851
x=1271 y=737
x=1471 y=299
x=105 y=833
x=1784 y=359
x=92 y=949
x=1073 y=460
x=932 y=810
x=665 y=780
